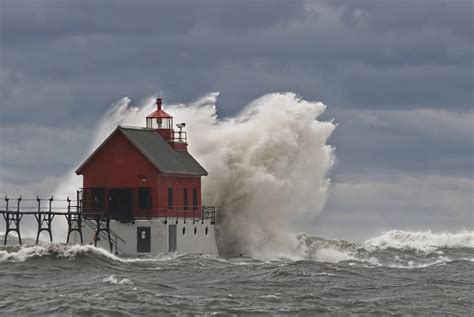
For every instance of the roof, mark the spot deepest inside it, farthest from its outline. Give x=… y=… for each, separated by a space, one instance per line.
x=157 y=151
x=159 y=113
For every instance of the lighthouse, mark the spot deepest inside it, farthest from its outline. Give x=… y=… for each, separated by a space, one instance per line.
x=146 y=187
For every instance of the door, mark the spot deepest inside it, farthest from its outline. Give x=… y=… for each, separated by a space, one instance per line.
x=120 y=204
x=144 y=239
x=172 y=238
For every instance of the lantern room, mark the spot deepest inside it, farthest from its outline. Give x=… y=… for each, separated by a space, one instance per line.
x=161 y=121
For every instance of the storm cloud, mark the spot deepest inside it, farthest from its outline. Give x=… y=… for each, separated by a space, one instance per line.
x=397 y=78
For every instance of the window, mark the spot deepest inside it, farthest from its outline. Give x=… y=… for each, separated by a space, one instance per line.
x=170 y=198
x=195 y=198
x=144 y=198
x=159 y=123
x=98 y=195
x=185 y=199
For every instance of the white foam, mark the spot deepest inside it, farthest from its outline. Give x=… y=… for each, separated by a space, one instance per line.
x=21 y=254
x=113 y=280
x=424 y=241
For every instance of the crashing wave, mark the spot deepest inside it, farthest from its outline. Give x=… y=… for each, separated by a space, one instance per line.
x=397 y=249
x=24 y=253
x=420 y=252
x=424 y=241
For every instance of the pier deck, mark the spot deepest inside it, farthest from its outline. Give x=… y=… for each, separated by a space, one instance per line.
x=45 y=214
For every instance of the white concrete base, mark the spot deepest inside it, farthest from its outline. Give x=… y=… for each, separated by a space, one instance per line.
x=191 y=237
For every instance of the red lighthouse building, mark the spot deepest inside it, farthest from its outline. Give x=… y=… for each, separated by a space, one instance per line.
x=146 y=174
x=143 y=172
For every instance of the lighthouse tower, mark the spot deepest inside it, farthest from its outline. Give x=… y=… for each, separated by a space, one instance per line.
x=148 y=187
x=162 y=122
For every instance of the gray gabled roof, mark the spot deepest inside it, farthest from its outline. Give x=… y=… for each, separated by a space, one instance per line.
x=158 y=152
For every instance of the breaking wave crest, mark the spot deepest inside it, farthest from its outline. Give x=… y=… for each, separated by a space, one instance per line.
x=394 y=248
x=16 y=253
x=24 y=253
x=424 y=241
x=382 y=251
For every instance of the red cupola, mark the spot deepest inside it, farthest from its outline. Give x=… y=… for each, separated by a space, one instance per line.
x=161 y=121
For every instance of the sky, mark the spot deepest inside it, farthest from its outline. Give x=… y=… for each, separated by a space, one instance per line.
x=396 y=76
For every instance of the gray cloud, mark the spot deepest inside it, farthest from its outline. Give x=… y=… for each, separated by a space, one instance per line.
x=415 y=140
x=397 y=77
x=358 y=50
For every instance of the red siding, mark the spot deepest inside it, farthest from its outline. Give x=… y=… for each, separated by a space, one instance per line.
x=119 y=164
x=178 y=184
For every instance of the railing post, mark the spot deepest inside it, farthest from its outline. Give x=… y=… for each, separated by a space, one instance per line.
x=68 y=205
x=7 y=220
x=39 y=204
x=18 y=205
x=78 y=202
x=50 y=218
x=18 y=218
x=39 y=218
x=50 y=202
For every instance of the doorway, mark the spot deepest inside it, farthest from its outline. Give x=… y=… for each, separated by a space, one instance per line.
x=172 y=238
x=120 y=204
x=143 y=239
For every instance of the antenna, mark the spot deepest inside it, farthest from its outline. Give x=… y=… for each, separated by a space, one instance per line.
x=160 y=93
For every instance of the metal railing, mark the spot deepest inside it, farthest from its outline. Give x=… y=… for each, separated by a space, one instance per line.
x=180 y=136
x=45 y=210
x=54 y=206
x=164 y=212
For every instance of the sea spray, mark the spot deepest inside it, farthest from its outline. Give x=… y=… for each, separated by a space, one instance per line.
x=267 y=165
x=267 y=168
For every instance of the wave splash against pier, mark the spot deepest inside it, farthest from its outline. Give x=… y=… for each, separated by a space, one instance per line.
x=267 y=165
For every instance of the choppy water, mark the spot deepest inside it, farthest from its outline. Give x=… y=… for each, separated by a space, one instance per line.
x=397 y=273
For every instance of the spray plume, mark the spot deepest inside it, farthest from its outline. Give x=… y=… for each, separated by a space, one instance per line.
x=267 y=166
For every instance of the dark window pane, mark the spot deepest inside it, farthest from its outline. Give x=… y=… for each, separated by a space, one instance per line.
x=170 y=198
x=144 y=198
x=195 y=198
x=185 y=199
x=98 y=197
